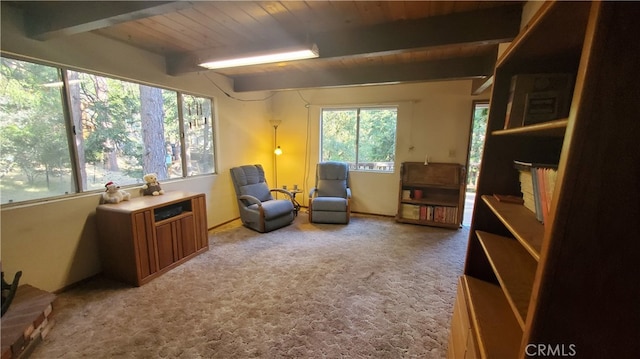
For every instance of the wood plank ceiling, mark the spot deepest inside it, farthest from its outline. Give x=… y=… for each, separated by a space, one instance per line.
x=360 y=42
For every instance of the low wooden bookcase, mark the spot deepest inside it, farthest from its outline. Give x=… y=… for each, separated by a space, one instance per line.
x=431 y=194
x=147 y=236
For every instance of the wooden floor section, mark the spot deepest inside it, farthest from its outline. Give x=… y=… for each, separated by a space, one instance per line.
x=27 y=321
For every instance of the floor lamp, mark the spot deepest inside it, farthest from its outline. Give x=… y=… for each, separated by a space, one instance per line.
x=277 y=150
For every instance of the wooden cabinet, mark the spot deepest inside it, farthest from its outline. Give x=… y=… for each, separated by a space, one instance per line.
x=566 y=287
x=147 y=236
x=431 y=194
x=461 y=340
x=175 y=240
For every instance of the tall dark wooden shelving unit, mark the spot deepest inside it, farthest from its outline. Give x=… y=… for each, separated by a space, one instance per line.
x=568 y=286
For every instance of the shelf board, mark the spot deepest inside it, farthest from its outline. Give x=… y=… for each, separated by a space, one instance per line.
x=497 y=331
x=556 y=128
x=176 y=217
x=428 y=223
x=454 y=187
x=515 y=269
x=539 y=39
x=432 y=202
x=521 y=222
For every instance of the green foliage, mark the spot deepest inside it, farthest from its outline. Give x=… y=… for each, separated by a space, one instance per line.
x=108 y=127
x=31 y=107
x=377 y=135
x=111 y=118
x=198 y=115
x=339 y=135
x=359 y=135
x=478 y=133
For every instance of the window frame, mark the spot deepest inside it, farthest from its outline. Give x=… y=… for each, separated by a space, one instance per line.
x=358 y=108
x=75 y=176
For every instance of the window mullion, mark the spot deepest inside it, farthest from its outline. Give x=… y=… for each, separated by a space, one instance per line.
x=72 y=132
x=183 y=157
x=357 y=136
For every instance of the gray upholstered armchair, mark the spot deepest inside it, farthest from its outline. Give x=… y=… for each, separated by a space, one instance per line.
x=329 y=200
x=258 y=209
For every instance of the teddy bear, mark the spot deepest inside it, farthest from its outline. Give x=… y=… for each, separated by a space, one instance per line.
x=113 y=194
x=151 y=186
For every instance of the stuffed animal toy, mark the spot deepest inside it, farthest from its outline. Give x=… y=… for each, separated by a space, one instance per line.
x=151 y=186
x=113 y=194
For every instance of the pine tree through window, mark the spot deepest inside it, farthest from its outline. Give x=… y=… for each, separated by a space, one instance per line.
x=117 y=131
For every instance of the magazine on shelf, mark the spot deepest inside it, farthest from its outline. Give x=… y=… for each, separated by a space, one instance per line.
x=537 y=184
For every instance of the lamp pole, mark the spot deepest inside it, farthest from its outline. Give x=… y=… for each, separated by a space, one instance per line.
x=277 y=150
x=275 y=155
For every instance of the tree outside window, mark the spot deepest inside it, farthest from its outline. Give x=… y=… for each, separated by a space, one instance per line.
x=198 y=127
x=34 y=154
x=363 y=137
x=117 y=131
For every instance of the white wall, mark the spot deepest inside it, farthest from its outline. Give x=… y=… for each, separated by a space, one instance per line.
x=54 y=243
x=433 y=119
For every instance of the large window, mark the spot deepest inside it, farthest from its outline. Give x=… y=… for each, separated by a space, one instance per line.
x=363 y=137
x=115 y=131
x=34 y=155
x=197 y=113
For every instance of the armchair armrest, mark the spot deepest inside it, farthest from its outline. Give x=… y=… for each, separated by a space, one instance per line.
x=251 y=199
x=283 y=191
x=314 y=190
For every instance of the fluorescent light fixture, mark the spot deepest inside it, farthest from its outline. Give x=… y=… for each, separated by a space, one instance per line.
x=289 y=54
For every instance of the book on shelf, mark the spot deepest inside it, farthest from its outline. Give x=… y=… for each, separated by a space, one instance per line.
x=542 y=193
x=535 y=98
x=410 y=211
x=440 y=214
x=536 y=195
x=537 y=184
x=452 y=214
x=526 y=187
x=445 y=214
x=527 y=165
x=426 y=213
x=507 y=198
x=406 y=194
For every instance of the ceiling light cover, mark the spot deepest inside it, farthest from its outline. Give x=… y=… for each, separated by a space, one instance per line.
x=289 y=54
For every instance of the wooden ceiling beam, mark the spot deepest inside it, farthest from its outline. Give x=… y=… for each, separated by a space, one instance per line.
x=485 y=26
x=46 y=20
x=480 y=85
x=450 y=69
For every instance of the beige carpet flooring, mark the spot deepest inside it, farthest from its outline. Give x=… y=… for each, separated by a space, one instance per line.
x=371 y=289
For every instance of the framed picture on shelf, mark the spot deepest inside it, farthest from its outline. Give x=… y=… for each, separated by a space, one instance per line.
x=535 y=98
